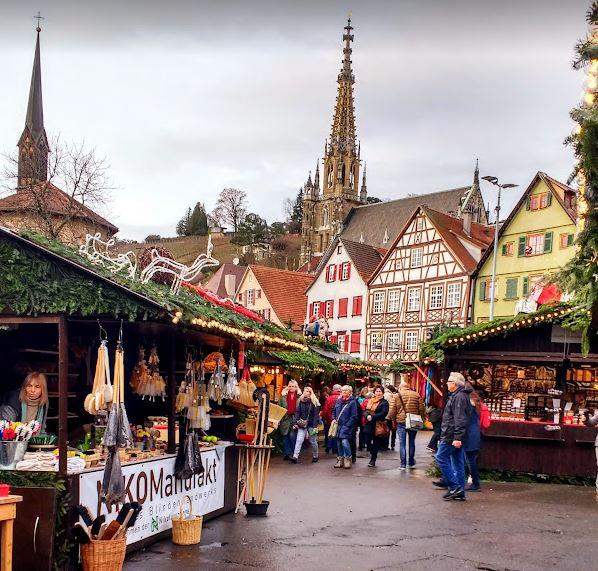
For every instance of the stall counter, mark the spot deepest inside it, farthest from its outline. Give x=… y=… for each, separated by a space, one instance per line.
x=152 y=483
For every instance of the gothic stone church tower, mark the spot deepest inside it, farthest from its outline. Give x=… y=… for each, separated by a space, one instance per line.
x=323 y=213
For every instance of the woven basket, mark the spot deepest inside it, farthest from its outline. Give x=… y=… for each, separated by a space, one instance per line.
x=186 y=530
x=104 y=555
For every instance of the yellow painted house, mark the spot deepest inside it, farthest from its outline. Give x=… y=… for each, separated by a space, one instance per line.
x=535 y=241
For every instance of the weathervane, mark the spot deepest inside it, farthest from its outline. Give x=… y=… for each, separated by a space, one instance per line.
x=38 y=18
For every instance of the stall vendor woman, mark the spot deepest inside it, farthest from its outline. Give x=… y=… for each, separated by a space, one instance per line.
x=28 y=403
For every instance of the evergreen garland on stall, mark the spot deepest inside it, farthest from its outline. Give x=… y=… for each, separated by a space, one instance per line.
x=580 y=275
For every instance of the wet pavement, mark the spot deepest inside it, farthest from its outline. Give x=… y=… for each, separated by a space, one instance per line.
x=383 y=518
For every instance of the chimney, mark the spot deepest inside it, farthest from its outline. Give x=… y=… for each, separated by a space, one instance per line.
x=230 y=285
x=467 y=217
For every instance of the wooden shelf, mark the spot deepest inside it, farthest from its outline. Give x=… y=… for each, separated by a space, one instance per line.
x=69 y=415
x=40 y=351
x=56 y=395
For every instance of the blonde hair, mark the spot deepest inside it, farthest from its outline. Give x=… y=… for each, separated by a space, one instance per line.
x=41 y=379
x=286 y=389
x=313 y=397
x=349 y=387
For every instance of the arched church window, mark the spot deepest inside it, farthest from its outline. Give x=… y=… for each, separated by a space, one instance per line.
x=325 y=217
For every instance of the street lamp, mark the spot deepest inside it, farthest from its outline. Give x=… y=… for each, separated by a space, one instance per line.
x=494 y=180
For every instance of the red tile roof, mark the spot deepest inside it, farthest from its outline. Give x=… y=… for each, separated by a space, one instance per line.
x=285 y=290
x=56 y=201
x=310 y=266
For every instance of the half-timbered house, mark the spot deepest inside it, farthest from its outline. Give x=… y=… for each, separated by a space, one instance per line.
x=424 y=280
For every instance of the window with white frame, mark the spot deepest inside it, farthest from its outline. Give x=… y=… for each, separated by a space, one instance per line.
x=250 y=297
x=341 y=341
x=436 y=297
x=266 y=314
x=393 y=301
x=419 y=223
x=376 y=341
x=316 y=308
x=414 y=299
x=346 y=271
x=392 y=341
x=417 y=255
x=453 y=295
x=411 y=341
x=378 y=302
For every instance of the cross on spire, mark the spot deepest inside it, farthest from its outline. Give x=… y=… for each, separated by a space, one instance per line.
x=38 y=18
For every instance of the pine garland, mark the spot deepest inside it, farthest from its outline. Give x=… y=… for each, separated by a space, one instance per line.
x=580 y=275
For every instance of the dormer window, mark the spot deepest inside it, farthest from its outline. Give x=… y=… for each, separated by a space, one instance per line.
x=539 y=201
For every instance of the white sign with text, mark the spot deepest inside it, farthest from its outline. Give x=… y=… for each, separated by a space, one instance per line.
x=154 y=486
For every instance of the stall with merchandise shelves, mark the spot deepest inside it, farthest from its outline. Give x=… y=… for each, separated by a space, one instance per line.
x=56 y=307
x=536 y=382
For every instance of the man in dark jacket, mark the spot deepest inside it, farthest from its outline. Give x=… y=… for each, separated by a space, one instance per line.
x=450 y=455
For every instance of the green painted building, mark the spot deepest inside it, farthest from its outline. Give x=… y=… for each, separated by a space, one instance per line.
x=535 y=241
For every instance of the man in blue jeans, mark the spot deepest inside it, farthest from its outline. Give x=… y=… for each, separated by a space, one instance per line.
x=405 y=401
x=450 y=456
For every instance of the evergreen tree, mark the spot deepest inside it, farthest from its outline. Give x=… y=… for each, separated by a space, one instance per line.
x=182 y=227
x=198 y=222
x=252 y=231
x=579 y=275
x=297 y=215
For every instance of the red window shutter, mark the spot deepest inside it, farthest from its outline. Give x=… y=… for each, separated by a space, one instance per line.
x=342 y=307
x=348 y=270
x=333 y=271
x=333 y=338
x=322 y=309
x=355 y=341
x=311 y=310
x=357 y=305
x=241 y=297
x=258 y=294
x=328 y=273
x=330 y=308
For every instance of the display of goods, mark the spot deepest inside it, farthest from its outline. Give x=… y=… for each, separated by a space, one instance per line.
x=152 y=385
x=141 y=372
x=198 y=412
x=117 y=435
x=212 y=361
x=231 y=389
x=216 y=385
x=102 y=392
x=146 y=258
x=246 y=389
x=18 y=431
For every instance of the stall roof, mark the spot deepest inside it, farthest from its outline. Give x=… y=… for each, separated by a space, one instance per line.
x=33 y=284
x=330 y=355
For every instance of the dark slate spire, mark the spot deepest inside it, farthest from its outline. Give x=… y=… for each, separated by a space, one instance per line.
x=33 y=144
x=35 y=107
x=317 y=178
x=363 y=194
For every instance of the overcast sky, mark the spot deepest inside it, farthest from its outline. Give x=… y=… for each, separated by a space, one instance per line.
x=185 y=98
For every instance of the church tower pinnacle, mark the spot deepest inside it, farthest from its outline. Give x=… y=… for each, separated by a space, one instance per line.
x=33 y=144
x=341 y=160
x=324 y=214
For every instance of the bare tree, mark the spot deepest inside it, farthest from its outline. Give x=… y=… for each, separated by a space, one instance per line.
x=231 y=207
x=288 y=206
x=77 y=179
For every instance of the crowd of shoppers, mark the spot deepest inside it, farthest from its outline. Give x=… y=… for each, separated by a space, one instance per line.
x=373 y=418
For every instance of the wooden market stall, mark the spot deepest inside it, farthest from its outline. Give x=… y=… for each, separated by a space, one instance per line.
x=537 y=383
x=55 y=307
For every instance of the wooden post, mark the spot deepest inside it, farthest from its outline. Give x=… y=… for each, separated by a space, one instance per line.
x=171 y=447
x=63 y=376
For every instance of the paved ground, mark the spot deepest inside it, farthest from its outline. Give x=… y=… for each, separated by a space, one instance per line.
x=382 y=518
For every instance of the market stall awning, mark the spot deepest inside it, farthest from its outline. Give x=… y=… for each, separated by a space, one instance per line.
x=42 y=276
x=330 y=355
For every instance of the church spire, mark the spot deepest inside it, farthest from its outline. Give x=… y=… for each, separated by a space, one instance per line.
x=343 y=126
x=363 y=194
x=317 y=178
x=33 y=144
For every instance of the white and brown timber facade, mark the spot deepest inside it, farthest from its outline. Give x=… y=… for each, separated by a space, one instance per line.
x=424 y=280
